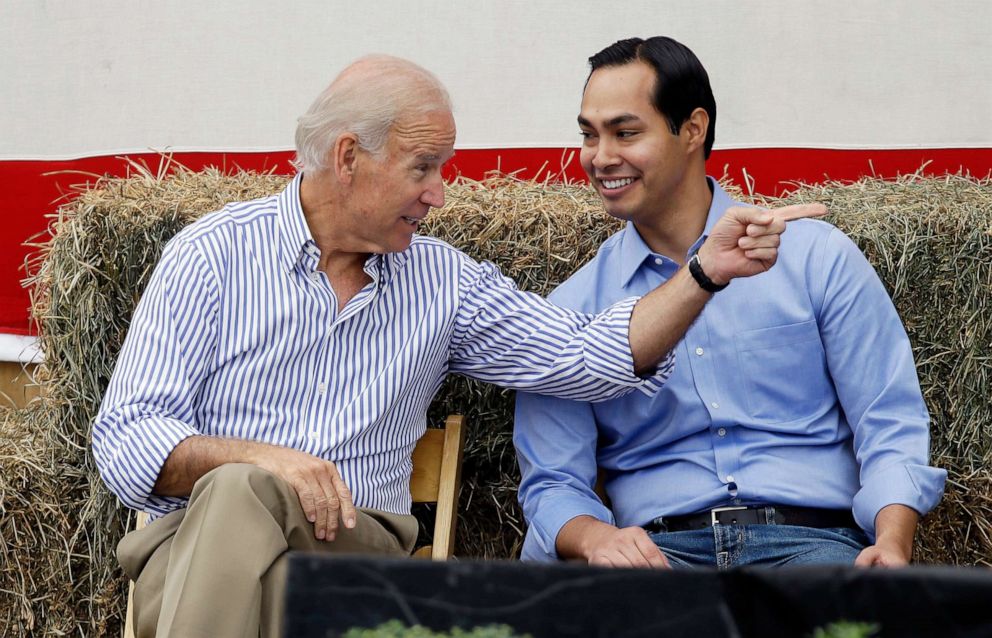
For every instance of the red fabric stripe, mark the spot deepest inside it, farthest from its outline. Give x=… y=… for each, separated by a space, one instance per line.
x=27 y=194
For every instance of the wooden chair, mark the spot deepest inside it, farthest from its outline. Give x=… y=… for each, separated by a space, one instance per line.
x=437 y=475
x=437 y=472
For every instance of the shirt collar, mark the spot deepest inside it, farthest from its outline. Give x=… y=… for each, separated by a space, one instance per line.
x=633 y=250
x=293 y=229
x=296 y=236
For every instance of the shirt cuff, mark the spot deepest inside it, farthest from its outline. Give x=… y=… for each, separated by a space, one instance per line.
x=556 y=508
x=143 y=454
x=917 y=486
x=612 y=359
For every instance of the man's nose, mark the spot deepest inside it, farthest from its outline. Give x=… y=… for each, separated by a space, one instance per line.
x=434 y=195
x=606 y=155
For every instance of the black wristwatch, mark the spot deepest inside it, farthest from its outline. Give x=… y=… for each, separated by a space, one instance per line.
x=696 y=270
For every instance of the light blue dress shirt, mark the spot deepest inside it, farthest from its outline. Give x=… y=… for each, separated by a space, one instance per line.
x=793 y=387
x=238 y=335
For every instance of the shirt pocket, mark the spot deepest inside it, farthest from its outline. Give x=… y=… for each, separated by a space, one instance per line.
x=784 y=370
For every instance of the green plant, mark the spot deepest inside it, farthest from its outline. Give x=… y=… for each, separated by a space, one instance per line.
x=846 y=629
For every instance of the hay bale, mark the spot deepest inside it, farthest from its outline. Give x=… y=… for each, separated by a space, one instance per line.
x=60 y=530
x=931 y=242
x=958 y=531
x=60 y=573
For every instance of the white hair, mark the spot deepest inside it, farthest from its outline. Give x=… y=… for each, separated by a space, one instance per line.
x=366 y=99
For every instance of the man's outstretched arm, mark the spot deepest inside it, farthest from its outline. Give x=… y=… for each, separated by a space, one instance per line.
x=744 y=242
x=519 y=340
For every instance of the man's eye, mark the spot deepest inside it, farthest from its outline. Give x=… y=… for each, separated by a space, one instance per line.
x=626 y=134
x=586 y=135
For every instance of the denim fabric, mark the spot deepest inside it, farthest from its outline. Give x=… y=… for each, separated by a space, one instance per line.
x=726 y=546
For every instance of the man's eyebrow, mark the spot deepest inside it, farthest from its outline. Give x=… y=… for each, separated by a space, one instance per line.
x=614 y=121
x=431 y=157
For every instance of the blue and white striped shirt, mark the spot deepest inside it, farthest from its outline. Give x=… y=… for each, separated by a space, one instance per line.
x=238 y=335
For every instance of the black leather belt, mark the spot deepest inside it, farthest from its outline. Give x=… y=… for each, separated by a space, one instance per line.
x=754 y=515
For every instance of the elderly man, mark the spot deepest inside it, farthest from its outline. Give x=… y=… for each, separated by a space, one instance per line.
x=280 y=363
x=793 y=429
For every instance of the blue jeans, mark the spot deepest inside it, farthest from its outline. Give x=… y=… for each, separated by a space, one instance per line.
x=726 y=546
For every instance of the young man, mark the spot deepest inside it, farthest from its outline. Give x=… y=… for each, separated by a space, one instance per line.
x=278 y=369
x=792 y=430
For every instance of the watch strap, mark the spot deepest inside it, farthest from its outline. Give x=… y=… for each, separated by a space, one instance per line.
x=696 y=270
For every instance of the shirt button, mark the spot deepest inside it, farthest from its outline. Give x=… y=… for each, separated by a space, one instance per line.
x=658 y=261
x=314 y=276
x=715 y=405
x=699 y=351
x=730 y=478
x=722 y=432
x=321 y=388
x=314 y=436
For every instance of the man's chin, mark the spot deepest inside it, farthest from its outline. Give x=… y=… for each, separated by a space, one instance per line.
x=400 y=245
x=615 y=210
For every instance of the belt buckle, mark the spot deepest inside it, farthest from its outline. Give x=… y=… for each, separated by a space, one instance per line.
x=717 y=510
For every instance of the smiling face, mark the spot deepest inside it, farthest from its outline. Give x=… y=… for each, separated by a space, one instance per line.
x=629 y=152
x=393 y=194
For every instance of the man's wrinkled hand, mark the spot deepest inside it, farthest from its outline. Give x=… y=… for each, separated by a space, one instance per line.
x=322 y=492
x=626 y=547
x=745 y=241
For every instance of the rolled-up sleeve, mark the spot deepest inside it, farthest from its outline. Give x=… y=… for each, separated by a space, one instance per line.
x=555 y=441
x=880 y=393
x=148 y=407
x=520 y=340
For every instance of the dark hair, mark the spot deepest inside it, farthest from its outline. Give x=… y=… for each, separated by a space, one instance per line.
x=681 y=84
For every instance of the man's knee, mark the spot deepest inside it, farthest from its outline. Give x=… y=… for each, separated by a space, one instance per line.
x=233 y=478
x=233 y=491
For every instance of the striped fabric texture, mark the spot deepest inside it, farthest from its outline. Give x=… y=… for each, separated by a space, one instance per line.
x=238 y=335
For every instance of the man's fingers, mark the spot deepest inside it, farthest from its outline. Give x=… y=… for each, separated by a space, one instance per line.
x=799 y=211
x=748 y=215
x=602 y=561
x=331 y=504
x=763 y=217
x=347 y=506
x=305 y=493
x=616 y=559
x=762 y=254
x=325 y=525
x=773 y=228
x=652 y=555
x=866 y=558
x=765 y=241
x=634 y=555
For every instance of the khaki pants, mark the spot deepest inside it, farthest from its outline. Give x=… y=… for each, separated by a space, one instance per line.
x=218 y=567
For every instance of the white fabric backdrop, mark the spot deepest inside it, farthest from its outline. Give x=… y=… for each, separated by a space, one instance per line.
x=105 y=77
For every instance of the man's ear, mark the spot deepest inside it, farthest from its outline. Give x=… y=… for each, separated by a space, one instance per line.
x=694 y=129
x=344 y=157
